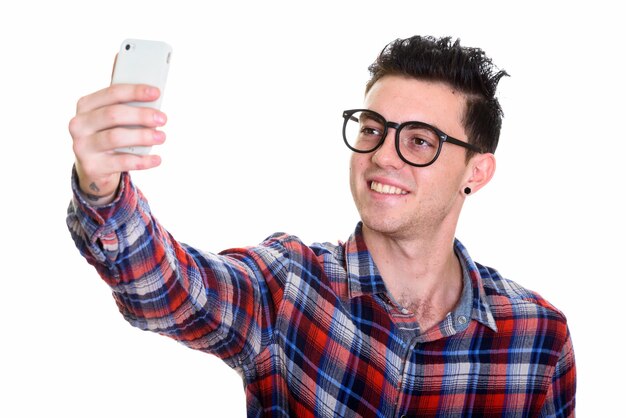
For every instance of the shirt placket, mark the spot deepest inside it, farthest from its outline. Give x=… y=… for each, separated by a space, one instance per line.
x=406 y=365
x=408 y=329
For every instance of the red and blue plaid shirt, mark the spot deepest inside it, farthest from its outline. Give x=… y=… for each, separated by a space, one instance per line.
x=313 y=332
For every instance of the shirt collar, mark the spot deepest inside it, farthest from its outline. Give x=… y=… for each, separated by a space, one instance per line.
x=475 y=302
x=363 y=275
x=365 y=279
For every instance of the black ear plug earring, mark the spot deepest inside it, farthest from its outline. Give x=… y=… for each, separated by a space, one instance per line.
x=467 y=190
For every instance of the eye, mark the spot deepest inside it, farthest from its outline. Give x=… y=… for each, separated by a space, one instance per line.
x=419 y=138
x=369 y=130
x=421 y=142
x=363 y=130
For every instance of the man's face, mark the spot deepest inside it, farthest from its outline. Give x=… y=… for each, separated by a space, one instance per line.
x=393 y=197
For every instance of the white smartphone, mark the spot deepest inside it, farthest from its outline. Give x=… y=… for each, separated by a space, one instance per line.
x=142 y=62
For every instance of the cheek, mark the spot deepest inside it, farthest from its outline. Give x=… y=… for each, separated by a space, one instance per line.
x=451 y=168
x=356 y=165
x=353 y=172
x=438 y=182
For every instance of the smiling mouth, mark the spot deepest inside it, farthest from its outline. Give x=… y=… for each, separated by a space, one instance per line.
x=386 y=189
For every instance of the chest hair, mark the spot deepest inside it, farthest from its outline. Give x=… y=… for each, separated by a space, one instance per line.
x=425 y=312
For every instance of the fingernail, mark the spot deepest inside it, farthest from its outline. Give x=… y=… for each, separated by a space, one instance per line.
x=159 y=137
x=152 y=91
x=159 y=118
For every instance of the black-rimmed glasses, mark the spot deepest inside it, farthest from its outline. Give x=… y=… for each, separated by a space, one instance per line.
x=417 y=143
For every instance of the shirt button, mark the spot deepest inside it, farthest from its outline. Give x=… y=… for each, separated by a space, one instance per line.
x=462 y=320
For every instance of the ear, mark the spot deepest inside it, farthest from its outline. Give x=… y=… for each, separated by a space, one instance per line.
x=480 y=171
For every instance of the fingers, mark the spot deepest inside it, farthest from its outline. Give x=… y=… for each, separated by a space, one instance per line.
x=111 y=139
x=104 y=122
x=111 y=116
x=115 y=94
x=107 y=108
x=105 y=166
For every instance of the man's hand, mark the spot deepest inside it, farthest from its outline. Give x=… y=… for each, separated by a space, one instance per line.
x=99 y=128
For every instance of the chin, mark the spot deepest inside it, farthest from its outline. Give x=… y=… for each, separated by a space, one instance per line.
x=385 y=225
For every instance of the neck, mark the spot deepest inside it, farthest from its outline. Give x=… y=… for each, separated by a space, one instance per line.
x=422 y=273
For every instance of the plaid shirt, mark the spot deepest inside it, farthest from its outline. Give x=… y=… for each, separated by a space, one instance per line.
x=313 y=332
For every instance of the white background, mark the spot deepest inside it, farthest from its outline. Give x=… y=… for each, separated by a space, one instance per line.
x=254 y=99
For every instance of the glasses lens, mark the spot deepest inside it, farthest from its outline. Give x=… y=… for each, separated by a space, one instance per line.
x=363 y=130
x=419 y=144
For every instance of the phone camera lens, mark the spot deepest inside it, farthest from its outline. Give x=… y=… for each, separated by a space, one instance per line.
x=127 y=47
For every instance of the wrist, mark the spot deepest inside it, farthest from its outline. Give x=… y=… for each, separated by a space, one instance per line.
x=98 y=200
x=99 y=193
x=93 y=194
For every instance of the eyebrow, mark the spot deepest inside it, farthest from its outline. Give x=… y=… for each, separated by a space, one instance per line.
x=366 y=116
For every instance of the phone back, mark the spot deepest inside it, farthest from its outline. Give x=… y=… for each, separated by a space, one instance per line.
x=143 y=62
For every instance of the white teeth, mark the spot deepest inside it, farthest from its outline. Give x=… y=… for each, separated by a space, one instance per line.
x=386 y=189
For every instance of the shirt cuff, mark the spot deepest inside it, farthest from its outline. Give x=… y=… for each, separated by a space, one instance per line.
x=99 y=220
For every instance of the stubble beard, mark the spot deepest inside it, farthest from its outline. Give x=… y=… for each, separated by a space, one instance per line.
x=425 y=220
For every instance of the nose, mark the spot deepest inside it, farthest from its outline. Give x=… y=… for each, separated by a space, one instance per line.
x=386 y=156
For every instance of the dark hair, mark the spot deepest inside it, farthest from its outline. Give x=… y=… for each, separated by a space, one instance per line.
x=465 y=69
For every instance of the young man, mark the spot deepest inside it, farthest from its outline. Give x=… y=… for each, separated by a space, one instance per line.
x=397 y=321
